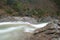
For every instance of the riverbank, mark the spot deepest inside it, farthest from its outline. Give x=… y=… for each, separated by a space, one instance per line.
x=33 y=20
x=12 y=19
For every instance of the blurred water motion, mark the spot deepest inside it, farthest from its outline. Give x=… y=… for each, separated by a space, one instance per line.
x=18 y=30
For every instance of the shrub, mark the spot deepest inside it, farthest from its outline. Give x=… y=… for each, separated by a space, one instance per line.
x=8 y=11
x=11 y=2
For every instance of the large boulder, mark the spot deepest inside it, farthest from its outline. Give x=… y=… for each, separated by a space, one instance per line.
x=48 y=32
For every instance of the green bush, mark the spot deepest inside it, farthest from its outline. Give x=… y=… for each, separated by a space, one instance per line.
x=10 y=2
x=17 y=6
x=57 y=2
x=3 y=1
x=8 y=11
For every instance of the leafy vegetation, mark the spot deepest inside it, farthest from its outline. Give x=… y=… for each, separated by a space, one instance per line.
x=57 y=2
x=8 y=11
x=23 y=8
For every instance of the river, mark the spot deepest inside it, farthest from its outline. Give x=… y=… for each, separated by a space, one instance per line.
x=18 y=30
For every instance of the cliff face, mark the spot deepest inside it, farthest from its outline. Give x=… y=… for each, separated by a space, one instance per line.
x=32 y=8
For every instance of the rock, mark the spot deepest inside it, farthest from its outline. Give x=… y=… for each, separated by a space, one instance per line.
x=46 y=19
x=47 y=33
x=25 y=19
x=29 y=19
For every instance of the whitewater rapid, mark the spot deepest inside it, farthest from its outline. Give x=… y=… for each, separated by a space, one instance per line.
x=17 y=30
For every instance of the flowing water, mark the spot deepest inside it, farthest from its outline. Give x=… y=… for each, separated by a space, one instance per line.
x=17 y=30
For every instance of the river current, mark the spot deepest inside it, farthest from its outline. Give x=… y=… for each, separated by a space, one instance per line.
x=18 y=30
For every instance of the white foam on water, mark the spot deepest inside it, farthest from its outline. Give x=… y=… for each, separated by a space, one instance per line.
x=18 y=32
x=39 y=25
x=9 y=29
x=18 y=22
x=22 y=27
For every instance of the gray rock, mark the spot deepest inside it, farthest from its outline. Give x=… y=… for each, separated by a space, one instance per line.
x=25 y=19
